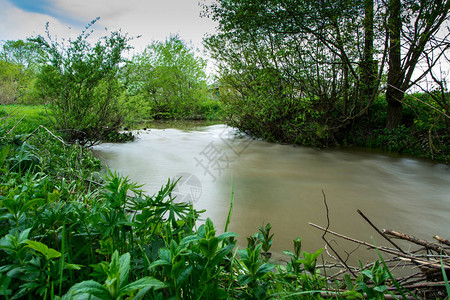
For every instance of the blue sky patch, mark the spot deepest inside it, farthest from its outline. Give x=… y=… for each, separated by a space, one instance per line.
x=45 y=7
x=39 y=6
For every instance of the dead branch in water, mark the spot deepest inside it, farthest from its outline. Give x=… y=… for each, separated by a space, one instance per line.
x=326 y=241
x=441 y=240
x=426 y=265
x=433 y=246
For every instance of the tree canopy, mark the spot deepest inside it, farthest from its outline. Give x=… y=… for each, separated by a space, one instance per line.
x=167 y=78
x=330 y=58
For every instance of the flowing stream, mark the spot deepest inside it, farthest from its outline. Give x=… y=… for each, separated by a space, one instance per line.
x=285 y=186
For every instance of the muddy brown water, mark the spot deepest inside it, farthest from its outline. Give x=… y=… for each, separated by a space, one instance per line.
x=284 y=186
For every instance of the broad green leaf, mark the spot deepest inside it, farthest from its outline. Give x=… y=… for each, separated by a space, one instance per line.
x=114 y=266
x=227 y=235
x=159 y=262
x=72 y=266
x=23 y=236
x=88 y=287
x=124 y=262
x=368 y=274
x=264 y=269
x=164 y=254
x=189 y=239
x=380 y=288
x=221 y=254
x=43 y=249
x=184 y=275
x=146 y=282
x=52 y=253
x=244 y=279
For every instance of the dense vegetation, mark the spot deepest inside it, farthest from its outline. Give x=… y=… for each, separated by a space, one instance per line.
x=168 y=81
x=315 y=74
x=336 y=72
x=92 y=90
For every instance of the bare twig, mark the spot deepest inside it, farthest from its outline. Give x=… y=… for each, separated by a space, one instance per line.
x=15 y=125
x=442 y=240
x=377 y=230
x=412 y=239
x=430 y=264
x=326 y=241
x=45 y=128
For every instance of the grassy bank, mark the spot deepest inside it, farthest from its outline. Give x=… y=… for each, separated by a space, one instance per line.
x=424 y=131
x=144 y=114
x=25 y=118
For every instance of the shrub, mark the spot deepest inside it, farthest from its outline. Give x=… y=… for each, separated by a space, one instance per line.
x=79 y=81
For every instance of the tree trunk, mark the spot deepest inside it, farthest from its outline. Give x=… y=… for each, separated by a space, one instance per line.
x=369 y=72
x=394 y=94
x=345 y=90
x=395 y=108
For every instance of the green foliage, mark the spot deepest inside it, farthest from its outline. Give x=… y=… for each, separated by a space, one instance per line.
x=282 y=74
x=424 y=132
x=310 y=72
x=79 y=82
x=17 y=71
x=167 y=81
x=266 y=105
x=378 y=276
x=116 y=285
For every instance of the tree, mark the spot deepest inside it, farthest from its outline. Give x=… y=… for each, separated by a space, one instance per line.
x=79 y=81
x=413 y=26
x=315 y=47
x=17 y=70
x=169 y=78
x=394 y=94
x=20 y=52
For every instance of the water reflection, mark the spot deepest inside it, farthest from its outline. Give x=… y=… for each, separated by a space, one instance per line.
x=283 y=185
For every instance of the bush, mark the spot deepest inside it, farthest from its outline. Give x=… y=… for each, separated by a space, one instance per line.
x=79 y=81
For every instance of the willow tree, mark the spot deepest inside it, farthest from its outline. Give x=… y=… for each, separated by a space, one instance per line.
x=315 y=48
x=335 y=52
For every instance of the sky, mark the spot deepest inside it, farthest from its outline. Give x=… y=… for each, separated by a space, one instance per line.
x=151 y=19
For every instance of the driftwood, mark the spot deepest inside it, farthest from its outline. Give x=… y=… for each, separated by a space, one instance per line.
x=433 y=246
x=443 y=241
x=426 y=262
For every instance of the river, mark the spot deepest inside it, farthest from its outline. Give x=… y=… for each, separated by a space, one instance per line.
x=285 y=185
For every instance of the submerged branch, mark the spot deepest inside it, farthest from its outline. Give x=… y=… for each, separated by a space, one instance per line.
x=436 y=247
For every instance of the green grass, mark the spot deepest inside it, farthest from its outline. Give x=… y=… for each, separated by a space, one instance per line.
x=25 y=118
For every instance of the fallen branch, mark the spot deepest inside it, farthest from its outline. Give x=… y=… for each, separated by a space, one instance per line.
x=45 y=128
x=430 y=264
x=15 y=125
x=436 y=247
x=442 y=240
x=380 y=232
x=326 y=241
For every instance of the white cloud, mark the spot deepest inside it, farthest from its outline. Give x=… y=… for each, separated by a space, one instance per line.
x=152 y=19
x=17 y=24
